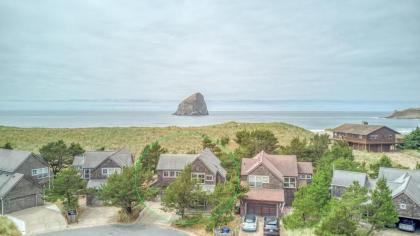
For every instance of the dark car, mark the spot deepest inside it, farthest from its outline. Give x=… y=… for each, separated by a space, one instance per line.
x=271 y=225
x=407 y=225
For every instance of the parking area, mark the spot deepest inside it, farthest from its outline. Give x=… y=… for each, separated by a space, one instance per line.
x=41 y=219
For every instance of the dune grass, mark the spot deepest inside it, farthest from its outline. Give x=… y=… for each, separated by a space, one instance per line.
x=406 y=158
x=182 y=139
x=8 y=228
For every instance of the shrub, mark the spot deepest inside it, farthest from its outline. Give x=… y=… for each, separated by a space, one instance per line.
x=7 y=227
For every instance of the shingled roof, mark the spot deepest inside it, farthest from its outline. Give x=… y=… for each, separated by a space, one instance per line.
x=8 y=181
x=10 y=160
x=93 y=159
x=279 y=165
x=360 y=129
x=345 y=178
x=179 y=161
x=402 y=181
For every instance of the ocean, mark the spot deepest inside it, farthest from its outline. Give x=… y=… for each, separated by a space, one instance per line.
x=312 y=115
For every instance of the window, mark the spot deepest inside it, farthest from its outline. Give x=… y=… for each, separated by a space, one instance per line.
x=289 y=182
x=171 y=174
x=209 y=177
x=258 y=180
x=403 y=206
x=109 y=171
x=373 y=136
x=40 y=172
x=86 y=173
x=198 y=176
x=305 y=176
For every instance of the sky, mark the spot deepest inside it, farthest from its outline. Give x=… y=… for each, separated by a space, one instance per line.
x=228 y=50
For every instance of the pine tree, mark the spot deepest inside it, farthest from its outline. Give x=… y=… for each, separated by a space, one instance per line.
x=382 y=210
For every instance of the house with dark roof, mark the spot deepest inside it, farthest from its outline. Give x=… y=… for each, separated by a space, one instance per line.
x=342 y=179
x=373 y=138
x=30 y=165
x=18 y=192
x=206 y=168
x=97 y=166
x=405 y=188
x=273 y=181
x=404 y=185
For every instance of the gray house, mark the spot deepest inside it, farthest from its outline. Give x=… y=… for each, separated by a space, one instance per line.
x=26 y=163
x=206 y=168
x=18 y=192
x=405 y=187
x=342 y=179
x=96 y=166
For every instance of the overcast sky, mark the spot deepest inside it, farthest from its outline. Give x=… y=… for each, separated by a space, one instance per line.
x=318 y=50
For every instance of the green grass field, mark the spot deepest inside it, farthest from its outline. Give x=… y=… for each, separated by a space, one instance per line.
x=135 y=138
x=406 y=158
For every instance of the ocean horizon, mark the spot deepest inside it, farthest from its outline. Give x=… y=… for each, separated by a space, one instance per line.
x=311 y=115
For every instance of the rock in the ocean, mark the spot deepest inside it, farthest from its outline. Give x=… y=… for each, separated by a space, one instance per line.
x=411 y=113
x=194 y=105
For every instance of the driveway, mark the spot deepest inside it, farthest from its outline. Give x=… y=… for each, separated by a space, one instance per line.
x=120 y=230
x=41 y=218
x=259 y=229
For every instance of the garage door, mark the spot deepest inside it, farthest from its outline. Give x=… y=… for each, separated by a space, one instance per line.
x=20 y=203
x=261 y=209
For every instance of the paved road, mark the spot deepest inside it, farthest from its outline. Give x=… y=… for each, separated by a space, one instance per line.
x=119 y=230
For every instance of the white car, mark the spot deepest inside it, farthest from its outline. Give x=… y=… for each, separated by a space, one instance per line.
x=407 y=225
x=250 y=223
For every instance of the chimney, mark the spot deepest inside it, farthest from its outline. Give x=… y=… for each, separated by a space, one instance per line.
x=365 y=123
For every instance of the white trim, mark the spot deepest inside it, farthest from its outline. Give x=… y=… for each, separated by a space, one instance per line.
x=258 y=180
x=109 y=171
x=403 y=206
x=196 y=175
x=289 y=182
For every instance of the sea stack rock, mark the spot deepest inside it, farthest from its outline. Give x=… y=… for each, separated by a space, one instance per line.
x=193 y=105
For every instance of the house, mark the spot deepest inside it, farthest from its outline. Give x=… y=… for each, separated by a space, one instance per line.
x=30 y=165
x=373 y=138
x=405 y=188
x=342 y=179
x=273 y=181
x=206 y=168
x=97 y=166
x=18 y=192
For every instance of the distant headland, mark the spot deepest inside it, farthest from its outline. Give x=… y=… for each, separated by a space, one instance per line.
x=194 y=105
x=411 y=113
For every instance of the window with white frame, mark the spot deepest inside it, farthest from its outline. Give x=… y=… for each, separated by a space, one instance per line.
x=209 y=178
x=289 y=182
x=171 y=174
x=403 y=206
x=373 y=136
x=109 y=171
x=198 y=176
x=40 y=172
x=258 y=180
x=305 y=176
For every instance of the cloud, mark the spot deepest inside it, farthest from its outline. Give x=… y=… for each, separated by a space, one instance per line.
x=227 y=50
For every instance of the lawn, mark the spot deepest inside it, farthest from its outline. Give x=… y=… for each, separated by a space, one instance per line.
x=178 y=139
x=7 y=227
x=407 y=158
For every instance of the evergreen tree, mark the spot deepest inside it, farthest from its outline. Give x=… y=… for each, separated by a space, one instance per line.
x=151 y=155
x=381 y=212
x=121 y=189
x=385 y=161
x=57 y=155
x=412 y=140
x=7 y=146
x=180 y=194
x=75 y=149
x=67 y=186
x=253 y=142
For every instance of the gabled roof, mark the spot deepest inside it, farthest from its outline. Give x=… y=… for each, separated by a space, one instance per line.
x=93 y=159
x=305 y=167
x=402 y=181
x=8 y=181
x=10 y=160
x=360 y=129
x=278 y=165
x=179 y=161
x=345 y=178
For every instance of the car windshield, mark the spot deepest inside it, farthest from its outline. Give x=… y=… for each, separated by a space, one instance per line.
x=249 y=219
x=409 y=222
x=271 y=221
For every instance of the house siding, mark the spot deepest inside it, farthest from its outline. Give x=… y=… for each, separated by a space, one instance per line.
x=33 y=163
x=23 y=195
x=97 y=172
x=200 y=167
x=412 y=209
x=381 y=140
x=274 y=182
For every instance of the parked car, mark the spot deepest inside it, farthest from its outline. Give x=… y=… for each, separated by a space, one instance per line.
x=250 y=223
x=407 y=225
x=271 y=225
